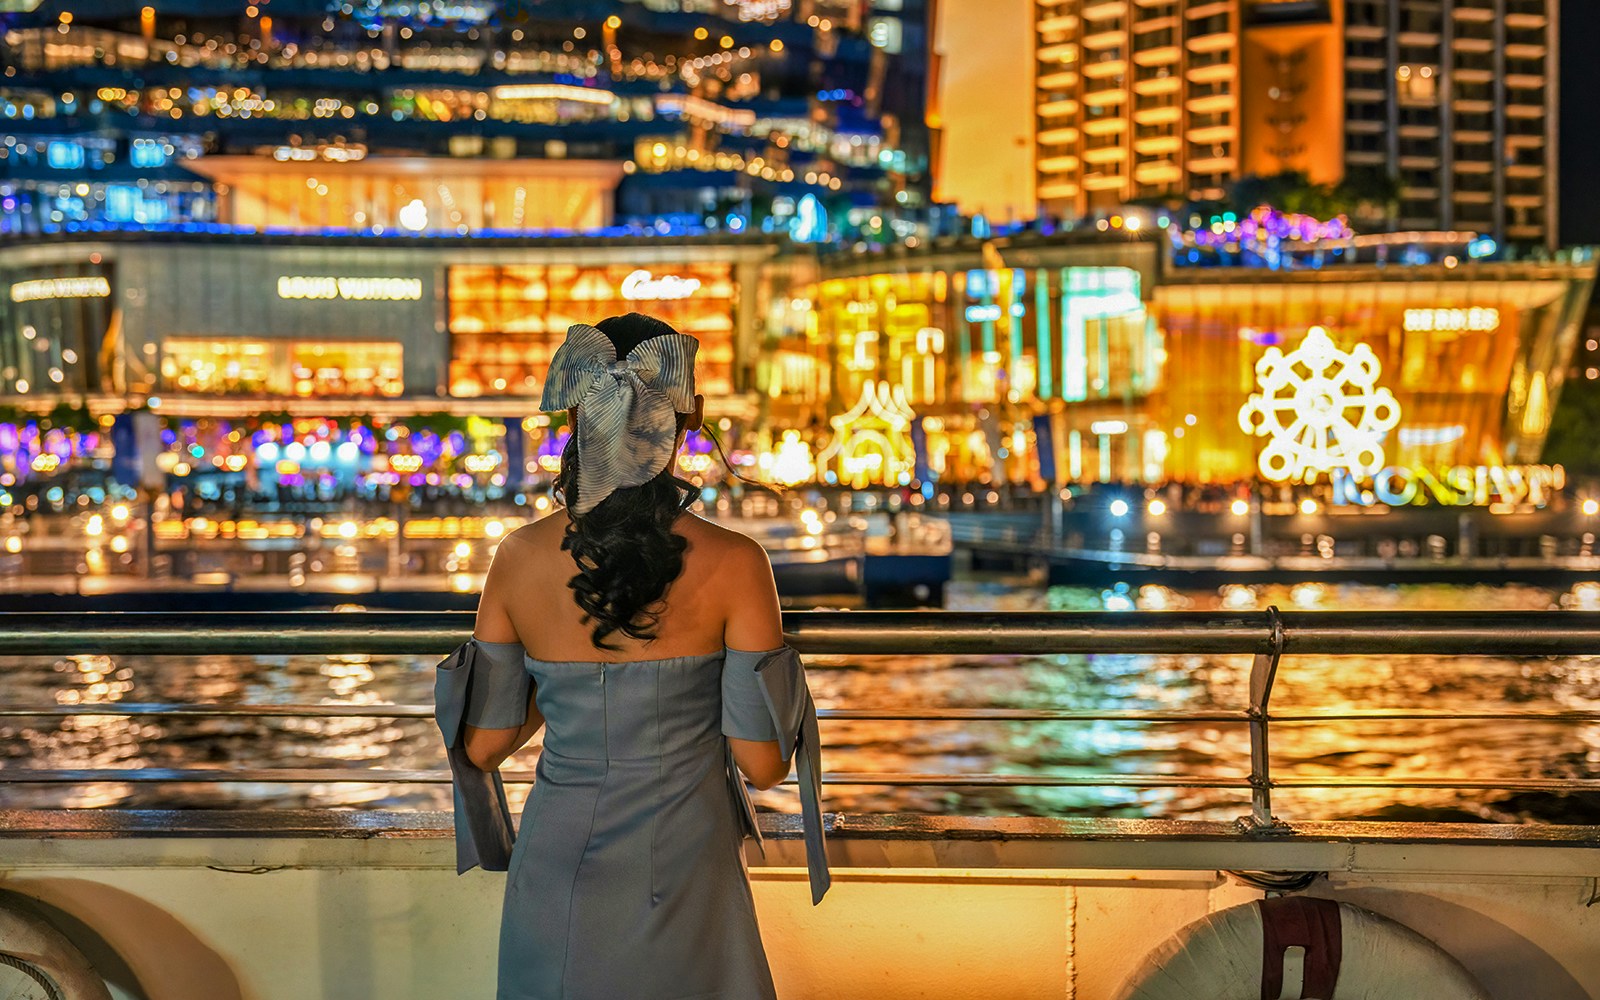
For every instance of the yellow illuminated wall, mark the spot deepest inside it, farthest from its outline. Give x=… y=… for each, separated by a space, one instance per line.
x=1120 y=382
x=306 y=369
x=1292 y=110
x=507 y=321
x=403 y=194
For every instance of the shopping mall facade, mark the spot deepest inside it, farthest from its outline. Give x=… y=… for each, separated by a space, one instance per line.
x=1040 y=360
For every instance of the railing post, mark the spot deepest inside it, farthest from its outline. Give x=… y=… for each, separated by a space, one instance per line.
x=1263 y=672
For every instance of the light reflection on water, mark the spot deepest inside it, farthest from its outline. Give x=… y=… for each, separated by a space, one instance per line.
x=1477 y=749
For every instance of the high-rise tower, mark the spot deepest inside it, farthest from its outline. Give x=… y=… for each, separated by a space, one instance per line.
x=1452 y=100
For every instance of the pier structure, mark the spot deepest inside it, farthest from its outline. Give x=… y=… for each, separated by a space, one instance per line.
x=186 y=904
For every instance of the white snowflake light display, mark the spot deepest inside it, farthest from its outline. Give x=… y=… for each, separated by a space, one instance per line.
x=1320 y=409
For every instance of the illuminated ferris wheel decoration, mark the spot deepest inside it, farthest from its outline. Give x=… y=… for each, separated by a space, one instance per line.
x=1320 y=409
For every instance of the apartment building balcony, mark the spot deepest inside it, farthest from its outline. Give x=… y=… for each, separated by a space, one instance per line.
x=1162 y=172
x=1419 y=131
x=1477 y=46
x=1423 y=162
x=1515 y=50
x=1058 y=189
x=1365 y=64
x=1526 y=22
x=1220 y=41
x=1060 y=164
x=1110 y=182
x=1212 y=104
x=1158 y=116
x=1215 y=73
x=1211 y=135
x=1525 y=171
x=1525 y=81
x=1366 y=95
x=1418 y=39
x=1157 y=145
x=1467 y=107
x=1364 y=158
x=1104 y=10
x=1473 y=14
x=1419 y=193
x=1162 y=55
x=1466 y=74
x=1106 y=154
x=1105 y=126
x=1157 y=85
x=1100 y=69
x=1525 y=232
x=1061 y=136
x=1061 y=53
x=1064 y=108
x=1062 y=80
x=1201 y=11
x=1362 y=126
x=1526 y=111
x=1474 y=197
x=1473 y=135
x=1525 y=200
x=1473 y=166
x=1149 y=24
x=1058 y=22
x=1366 y=32
x=1105 y=97
x=1099 y=41
x=1223 y=164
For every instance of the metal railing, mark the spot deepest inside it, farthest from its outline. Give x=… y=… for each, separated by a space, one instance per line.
x=1267 y=636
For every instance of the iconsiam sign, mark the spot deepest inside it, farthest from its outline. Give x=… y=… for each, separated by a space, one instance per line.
x=1458 y=486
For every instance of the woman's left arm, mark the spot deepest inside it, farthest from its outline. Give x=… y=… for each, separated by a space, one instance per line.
x=489 y=748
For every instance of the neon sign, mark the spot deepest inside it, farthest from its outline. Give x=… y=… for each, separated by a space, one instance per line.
x=60 y=288
x=358 y=289
x=1457 y=486
x=1474 y=320
x=641 y=284
x=1332 y=417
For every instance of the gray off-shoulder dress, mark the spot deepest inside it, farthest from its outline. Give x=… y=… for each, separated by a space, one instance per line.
x=627 y=878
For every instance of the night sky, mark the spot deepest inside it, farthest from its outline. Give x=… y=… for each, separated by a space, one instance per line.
x=1579 y=135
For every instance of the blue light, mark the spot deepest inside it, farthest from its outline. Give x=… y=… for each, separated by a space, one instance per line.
x=1484 y=246
x=64 y=155
x=147 y=154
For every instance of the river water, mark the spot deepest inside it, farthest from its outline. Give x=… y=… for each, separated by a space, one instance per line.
x=1502 y=748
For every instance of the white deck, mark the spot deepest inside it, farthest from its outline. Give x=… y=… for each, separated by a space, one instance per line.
x=1001 y=909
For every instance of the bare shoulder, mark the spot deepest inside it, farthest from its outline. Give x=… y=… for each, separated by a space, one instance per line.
x=547 y=531
x=531 y=548
x=733 y=550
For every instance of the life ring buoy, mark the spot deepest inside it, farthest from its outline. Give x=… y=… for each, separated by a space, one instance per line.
x=30 y=944
x=1298 y=948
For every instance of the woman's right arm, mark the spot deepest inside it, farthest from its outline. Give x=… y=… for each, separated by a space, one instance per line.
x=754 y=622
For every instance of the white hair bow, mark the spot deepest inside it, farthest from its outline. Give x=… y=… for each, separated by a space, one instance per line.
x=627 y=424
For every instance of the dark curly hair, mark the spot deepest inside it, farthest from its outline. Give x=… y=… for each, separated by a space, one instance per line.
x=624 y=547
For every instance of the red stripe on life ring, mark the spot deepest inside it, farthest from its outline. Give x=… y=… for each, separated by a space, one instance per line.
x=1311 y=924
